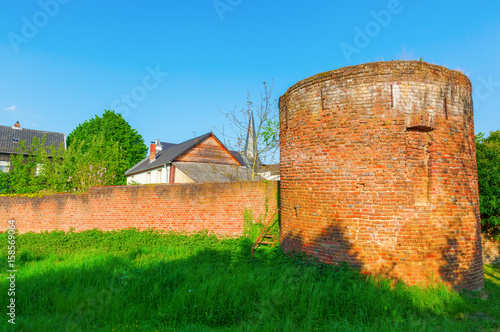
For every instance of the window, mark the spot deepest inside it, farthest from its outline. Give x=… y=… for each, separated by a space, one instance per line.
x=4 y=166
x=158 y=176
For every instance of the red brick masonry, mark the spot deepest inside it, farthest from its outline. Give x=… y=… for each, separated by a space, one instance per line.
x=216 y=207
x=378 y=168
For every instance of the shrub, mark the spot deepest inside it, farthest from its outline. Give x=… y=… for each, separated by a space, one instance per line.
x=488 y=168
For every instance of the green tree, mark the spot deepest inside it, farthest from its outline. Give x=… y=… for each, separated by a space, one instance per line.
x=4 y=182
x=28 y=173
x=81 y=166
x=115 y=130
x=488 y=168
x=88 y=165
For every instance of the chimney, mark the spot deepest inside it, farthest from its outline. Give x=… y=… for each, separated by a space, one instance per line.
x=152 y=152
x=17 y=125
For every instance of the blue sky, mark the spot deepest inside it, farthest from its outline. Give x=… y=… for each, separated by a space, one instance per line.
x=64 y=61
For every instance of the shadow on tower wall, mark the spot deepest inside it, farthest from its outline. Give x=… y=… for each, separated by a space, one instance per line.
x=332 y=246
x=457 y=250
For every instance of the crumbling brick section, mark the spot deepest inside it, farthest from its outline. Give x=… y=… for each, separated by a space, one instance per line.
x=378 y=168
x=216 y=207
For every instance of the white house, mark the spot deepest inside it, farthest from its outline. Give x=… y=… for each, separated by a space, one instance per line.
x=200 y=159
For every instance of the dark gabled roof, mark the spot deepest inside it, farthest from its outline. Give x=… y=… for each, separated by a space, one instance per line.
x=9 y=138
x=166 y=145
x=203 y=172
x=167 y=154
x=238 y=157
x=170 y=151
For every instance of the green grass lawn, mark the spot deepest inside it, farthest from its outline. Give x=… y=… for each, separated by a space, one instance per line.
x=151 y=281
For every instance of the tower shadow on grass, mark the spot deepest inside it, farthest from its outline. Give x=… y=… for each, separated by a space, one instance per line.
x=197 y=287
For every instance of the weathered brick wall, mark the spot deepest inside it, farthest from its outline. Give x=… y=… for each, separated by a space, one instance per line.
x=378 y=168
x=216 y=207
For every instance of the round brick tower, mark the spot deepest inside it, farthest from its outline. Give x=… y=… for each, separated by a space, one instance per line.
x=378 y=168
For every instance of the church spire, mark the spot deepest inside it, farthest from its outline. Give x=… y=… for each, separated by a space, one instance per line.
x=250 y=151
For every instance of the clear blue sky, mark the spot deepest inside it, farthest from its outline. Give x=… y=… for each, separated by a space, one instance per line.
x=61 y=65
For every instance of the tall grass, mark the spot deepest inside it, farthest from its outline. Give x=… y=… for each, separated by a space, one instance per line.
x=152 y=281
